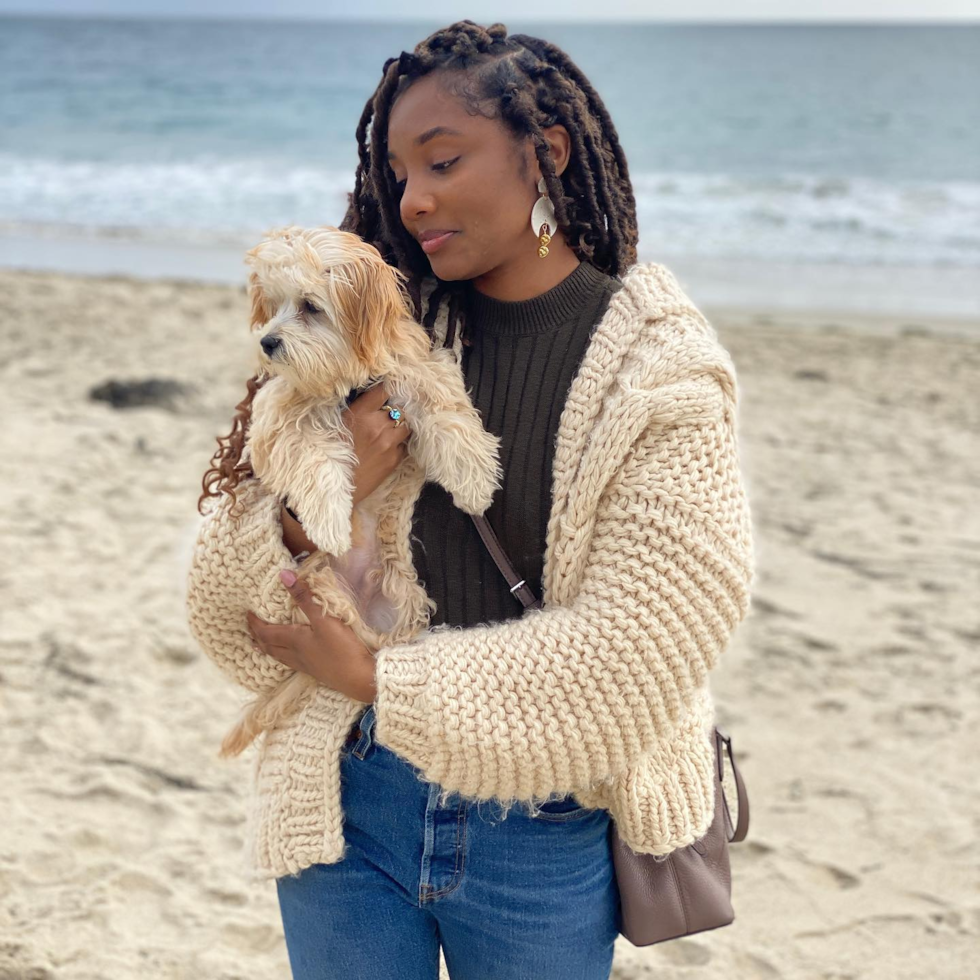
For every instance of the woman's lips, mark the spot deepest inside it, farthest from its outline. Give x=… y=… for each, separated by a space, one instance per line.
x=432 y=244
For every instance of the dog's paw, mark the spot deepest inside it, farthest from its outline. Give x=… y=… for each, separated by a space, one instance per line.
x=474 y=499
x=484 y=475
x=476 y=496
x=331 y=537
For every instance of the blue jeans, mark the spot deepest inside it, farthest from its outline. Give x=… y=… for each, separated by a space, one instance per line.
x=508 y=899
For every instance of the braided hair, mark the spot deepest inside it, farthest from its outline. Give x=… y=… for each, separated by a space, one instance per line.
x=529 y=85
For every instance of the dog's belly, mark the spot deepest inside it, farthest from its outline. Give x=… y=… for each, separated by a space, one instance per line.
x=360 y=568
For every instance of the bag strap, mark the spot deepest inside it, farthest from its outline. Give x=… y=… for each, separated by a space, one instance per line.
x=519 y=588
x=743 y=797
x=522 y=592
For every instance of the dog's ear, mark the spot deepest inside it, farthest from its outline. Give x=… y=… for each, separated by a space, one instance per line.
x=374 y=308
x=262 y=309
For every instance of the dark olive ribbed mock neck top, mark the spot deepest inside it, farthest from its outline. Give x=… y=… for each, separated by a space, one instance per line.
x=524 y=357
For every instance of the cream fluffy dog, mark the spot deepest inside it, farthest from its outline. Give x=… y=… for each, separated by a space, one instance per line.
x=330 y=315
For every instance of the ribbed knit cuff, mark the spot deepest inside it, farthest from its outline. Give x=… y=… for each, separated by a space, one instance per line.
x=403 y=714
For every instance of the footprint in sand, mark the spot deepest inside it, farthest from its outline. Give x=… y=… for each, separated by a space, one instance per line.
x=253 y=938
x=223 y=897
x=138 y=881
x=829 y=876
x=686 y=952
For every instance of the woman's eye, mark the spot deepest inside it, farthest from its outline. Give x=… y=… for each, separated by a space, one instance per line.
x=438 y=167
x=310 y=308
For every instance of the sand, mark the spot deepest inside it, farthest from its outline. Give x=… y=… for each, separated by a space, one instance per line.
x=851 y=690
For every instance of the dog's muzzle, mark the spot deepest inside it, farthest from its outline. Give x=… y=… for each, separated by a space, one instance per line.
x=271 y=345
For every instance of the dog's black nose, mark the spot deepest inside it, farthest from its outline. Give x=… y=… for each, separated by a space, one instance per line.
x=269 y=344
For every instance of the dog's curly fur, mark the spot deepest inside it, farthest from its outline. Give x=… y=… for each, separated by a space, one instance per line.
x=330 y=315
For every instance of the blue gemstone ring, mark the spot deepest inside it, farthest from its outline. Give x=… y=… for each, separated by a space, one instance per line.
x=393 y=413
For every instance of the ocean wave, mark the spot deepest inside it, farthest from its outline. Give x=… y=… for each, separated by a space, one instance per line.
x=801 y=217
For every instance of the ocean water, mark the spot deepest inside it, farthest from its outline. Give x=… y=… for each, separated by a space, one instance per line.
x=820 y=144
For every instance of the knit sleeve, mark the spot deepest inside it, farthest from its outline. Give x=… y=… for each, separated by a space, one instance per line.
x=235 y=567
x=567 y=697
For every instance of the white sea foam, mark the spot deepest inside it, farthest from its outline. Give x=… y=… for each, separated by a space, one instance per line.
x=790 y=216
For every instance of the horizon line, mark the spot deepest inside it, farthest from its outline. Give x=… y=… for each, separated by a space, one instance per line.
x=900 y=21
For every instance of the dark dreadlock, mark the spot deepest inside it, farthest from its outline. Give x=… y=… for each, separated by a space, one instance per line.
x=529 y=85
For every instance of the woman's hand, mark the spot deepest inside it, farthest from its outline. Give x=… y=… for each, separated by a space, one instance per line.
x=327 y=650
x=379 y=446
x=378 y=442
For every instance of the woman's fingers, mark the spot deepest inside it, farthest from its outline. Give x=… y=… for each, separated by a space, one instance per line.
x=367 y=411
x=276 y=640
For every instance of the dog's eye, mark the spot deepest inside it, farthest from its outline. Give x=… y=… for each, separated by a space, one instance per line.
x=310 y=308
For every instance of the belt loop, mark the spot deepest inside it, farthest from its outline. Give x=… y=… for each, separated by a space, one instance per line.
x=366 y=740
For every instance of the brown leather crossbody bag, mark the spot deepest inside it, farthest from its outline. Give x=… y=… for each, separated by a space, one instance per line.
x=680 y=893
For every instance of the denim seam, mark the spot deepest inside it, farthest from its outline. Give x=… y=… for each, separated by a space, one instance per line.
x=457 y=878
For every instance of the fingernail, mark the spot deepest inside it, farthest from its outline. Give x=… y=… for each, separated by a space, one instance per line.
x=287 y=576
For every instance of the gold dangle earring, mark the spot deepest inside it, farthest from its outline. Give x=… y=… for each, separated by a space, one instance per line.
x=543 y=222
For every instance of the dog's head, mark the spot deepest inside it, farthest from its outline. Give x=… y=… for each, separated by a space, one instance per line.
x=327 y=310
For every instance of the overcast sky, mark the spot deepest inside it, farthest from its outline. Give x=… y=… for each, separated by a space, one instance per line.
x=528 y=11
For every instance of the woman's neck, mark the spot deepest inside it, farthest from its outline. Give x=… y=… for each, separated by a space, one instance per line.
x=526 y=277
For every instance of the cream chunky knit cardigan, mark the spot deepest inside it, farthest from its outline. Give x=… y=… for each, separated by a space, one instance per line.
x=604 y=691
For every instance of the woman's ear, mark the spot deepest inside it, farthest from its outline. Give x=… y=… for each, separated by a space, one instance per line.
x=262 y=311
x=560 y=144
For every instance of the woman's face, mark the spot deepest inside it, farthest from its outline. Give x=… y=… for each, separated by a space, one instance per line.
x=467 y=181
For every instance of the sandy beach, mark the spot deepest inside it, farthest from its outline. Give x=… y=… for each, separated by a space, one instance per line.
x=851 y=691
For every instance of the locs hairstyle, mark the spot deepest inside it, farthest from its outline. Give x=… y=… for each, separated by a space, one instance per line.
x=529 y=85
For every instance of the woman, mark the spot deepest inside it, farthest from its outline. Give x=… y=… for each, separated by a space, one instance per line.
x=623 y=504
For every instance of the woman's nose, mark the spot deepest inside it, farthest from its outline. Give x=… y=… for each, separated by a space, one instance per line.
x=414 y=203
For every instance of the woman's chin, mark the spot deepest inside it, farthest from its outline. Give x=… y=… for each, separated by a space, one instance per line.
x=447 y=265
x=447 y=270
